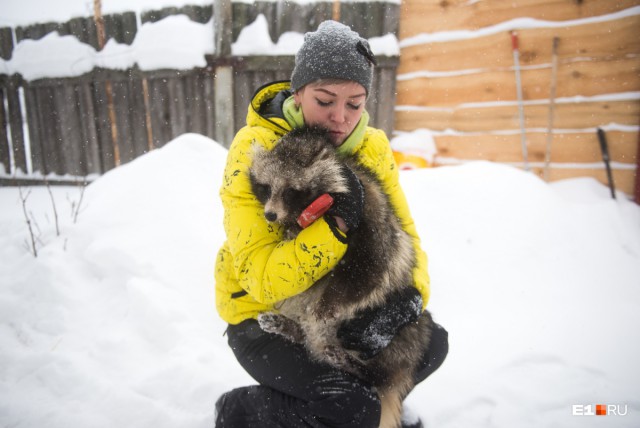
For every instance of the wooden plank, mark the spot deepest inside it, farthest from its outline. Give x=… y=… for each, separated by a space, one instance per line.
x=6 y=43
x=505 y=117
x=121 y=27
x=137 y=116
x=15 y=123
x=68 y=141
x=381 y=102
x=91 y=151
x=103 y=126
x=36 y=31
x=243 y=15
x=606 y=40
x=429 y=16
x=122 y=108
x=242 y=93
x=177 y=106
x=33 y=114
x=269 y=10
x=299 y=17
x=48 y=121
x=5 y=160
x=195 y=96
x=574 y=147
x=84 y=29
x=199 y=14
x=368 y=18
x=391 y=19
x=160 y=116
x=580 y=78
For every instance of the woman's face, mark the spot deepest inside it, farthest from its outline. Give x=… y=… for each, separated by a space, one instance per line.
x=335 y=106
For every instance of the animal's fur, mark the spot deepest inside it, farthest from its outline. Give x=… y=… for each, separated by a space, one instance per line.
x=379 y=259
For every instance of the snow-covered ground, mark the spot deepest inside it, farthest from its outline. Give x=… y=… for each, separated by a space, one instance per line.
x=114 y=323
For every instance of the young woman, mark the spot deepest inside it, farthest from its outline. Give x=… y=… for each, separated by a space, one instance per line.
x=256 y=268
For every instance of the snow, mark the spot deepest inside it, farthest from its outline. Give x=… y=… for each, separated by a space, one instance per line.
x=114 y=323
x=513 y=24
x=27 y=12
x=174 y=42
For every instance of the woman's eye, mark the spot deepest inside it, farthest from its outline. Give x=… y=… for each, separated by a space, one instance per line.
x=354 y=106
x=323 y=103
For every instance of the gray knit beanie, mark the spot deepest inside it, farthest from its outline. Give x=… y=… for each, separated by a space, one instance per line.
x=334 y=51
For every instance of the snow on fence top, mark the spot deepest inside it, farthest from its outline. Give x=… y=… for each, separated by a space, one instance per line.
x=155 y=40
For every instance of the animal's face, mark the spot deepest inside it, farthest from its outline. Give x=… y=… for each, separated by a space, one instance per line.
x=288 y=178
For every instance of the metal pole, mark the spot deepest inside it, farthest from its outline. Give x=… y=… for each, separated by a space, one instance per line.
x=552 y=105
x=516 y=61
x=604 y=147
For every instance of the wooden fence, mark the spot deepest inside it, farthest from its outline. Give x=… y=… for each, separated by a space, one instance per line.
x=62 y=126
x=460 y=83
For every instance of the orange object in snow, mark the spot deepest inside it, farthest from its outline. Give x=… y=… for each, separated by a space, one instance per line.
x=408 y=161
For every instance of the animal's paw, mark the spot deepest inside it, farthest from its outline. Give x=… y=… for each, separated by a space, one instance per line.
x=336 y=356
x=271 y=323
x=279 y=324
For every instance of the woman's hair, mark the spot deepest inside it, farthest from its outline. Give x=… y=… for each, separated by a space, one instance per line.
x=333 y=52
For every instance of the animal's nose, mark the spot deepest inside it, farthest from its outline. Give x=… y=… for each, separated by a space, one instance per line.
x=271 y=216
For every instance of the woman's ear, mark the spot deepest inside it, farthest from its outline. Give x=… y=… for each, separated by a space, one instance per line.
x=297 y=97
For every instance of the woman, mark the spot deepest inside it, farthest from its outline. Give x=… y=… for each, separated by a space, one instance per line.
x=256 y=269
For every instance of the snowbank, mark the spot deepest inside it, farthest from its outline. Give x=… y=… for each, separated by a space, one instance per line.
x=114 y=323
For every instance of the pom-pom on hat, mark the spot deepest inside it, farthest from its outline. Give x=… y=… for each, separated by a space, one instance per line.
x=334 y=51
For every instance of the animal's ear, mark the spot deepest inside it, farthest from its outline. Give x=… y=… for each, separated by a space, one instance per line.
x=324 y=152
x=322 y=140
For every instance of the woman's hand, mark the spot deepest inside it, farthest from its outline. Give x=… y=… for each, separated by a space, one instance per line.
x=341 y=224
x=348 y=207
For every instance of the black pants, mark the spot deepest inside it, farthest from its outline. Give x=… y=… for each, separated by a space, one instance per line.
x=296 y=391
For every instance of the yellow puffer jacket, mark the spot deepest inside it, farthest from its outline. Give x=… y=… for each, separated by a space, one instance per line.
x=255 y=268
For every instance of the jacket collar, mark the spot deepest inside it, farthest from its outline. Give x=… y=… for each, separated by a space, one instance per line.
x=272 y=107
x=295 y=118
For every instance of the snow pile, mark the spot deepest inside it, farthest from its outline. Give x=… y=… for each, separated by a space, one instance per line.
x=27 y=12
x=174 y=42
x=114 y=323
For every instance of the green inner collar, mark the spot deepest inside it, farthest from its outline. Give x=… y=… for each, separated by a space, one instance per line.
x=295 y=118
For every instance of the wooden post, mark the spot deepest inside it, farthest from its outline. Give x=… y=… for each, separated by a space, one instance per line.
x=335 y=12
x=16 y=126
x=97 y=16
x=147 y=113
x=637 y=189
x=223 y=72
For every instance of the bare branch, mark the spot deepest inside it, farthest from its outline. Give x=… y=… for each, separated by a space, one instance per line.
x=53 y=203
x=77 y=207
x=23 y=198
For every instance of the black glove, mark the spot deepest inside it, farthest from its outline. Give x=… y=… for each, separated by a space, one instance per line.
x=372 y=329
x=350 y=205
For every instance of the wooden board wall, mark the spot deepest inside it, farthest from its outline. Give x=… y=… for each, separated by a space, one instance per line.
x=456 y=78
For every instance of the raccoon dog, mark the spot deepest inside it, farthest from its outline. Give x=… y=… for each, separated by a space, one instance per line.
x=379 y=260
